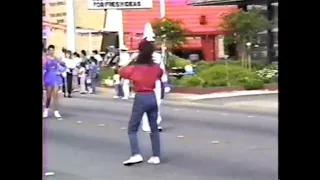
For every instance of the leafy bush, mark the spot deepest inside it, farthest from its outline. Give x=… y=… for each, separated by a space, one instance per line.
x=253 y=84
x=202 y=65
x=255 y=65
x=269 y=74
x=105 y=73
x=215 y=76
x=222 y=75
x=175 y=61
x=190 y=81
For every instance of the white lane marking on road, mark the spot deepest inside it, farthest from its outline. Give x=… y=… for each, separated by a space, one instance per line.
x=79 y=122
x=123 y=128
x=197 y=111
x=59 y=119
x=101 y=125
x=250 y=116
x=224 y=114
x=215 y=142
x=253 y=148
x=180 y=136
x=176 y=109
x=49 y=173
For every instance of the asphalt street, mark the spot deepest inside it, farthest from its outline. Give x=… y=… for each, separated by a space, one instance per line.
x=91 y=142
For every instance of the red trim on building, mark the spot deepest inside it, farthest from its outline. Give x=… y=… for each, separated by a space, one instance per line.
x=200 y=21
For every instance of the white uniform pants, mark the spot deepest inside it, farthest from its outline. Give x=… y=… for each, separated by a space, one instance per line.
x=145 y=123
x=126 y=88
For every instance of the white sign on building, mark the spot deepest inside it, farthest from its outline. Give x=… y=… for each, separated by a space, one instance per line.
x=119 y=4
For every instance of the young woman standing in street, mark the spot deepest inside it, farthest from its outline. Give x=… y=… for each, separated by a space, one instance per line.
x=52 y=81
x=144 y=74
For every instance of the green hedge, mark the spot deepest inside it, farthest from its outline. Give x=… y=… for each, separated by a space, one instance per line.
x=255 y=65
x=222 y=75
x=175 y=61
x=106 y=73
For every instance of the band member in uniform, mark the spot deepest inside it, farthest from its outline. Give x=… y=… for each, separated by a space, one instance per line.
x=125 y=61
x=159 y=88
x=52 y=81
x=144 y=74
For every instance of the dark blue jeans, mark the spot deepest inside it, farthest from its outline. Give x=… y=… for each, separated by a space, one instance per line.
x=144 y=103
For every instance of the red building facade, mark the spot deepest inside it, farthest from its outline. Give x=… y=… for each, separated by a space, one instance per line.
x=201 y=22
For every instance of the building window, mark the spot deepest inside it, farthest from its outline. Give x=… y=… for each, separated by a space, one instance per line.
x=59 y=3
x=60 y=21
x=43 y=9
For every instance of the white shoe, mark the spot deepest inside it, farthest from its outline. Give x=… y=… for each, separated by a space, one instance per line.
x=132 y=96
x=45 y=113
x=57 y=114
x=133 y=160
x=115 y=97
x=154 y=160
x=146 y=128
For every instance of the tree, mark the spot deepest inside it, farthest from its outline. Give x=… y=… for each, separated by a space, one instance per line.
x=242 y=27
x=169 y=31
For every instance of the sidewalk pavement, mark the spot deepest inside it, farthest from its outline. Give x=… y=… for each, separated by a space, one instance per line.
x=193 y=100
x=109 y=92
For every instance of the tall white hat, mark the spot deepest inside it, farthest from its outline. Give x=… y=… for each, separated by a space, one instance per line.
x=148 y=33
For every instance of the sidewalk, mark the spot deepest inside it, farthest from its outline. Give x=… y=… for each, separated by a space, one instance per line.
x=109 y=92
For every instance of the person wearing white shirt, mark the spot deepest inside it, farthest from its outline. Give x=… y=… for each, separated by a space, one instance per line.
x=82 y=77
x=63 y=53
x=75 y=78
x=125 y=60
x=97 y=56
x=71 y=64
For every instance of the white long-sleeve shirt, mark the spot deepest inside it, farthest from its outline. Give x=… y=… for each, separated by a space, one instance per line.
x=124 y=59
x=157 y=58
x=70 y=63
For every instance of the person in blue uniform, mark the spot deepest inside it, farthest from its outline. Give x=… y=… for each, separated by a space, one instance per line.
x=143 y=73
x=53 y=68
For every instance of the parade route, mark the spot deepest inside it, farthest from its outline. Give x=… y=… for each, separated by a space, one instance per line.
x=91 y=142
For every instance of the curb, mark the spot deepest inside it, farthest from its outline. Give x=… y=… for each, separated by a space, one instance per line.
x=194 y=97
x=240 y=108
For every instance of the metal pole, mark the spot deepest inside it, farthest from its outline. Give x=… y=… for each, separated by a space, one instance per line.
x=90 y=42
x=71 y=30
x=120 y=28
x=162 y=16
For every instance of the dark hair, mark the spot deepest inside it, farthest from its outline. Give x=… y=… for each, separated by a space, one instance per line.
x=115 y=70
x=64 y=50
x=68 y=52
x=51 y=46
x=95 y=52
x=146 y=50
x=83 y=64
x=93 y=60
x=83 y=52
x=76 y=54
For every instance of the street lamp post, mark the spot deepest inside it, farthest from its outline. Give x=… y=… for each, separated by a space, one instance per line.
x=162 y=16
x=227 y=68
x=248 y=45
x=71 y=30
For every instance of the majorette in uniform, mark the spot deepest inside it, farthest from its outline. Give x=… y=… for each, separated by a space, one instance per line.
x=159 y=90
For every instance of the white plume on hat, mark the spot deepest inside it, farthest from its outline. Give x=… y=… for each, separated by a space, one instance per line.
x=148 y=32
x=123 y=47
